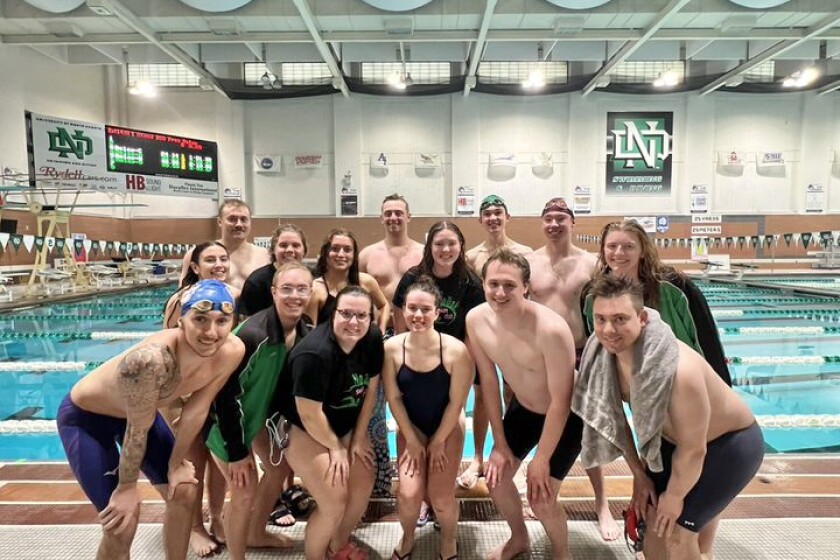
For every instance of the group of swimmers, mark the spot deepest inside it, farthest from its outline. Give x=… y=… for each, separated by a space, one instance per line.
x=300 y=384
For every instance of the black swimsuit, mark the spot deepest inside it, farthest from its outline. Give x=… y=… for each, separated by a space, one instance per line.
x=425 y=394
x=329 y=305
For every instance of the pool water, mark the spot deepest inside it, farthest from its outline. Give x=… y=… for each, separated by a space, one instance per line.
x=790 y=379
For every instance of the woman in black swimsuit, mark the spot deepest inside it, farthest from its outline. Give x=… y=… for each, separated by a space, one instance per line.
x=338 y=266
x=427 y=376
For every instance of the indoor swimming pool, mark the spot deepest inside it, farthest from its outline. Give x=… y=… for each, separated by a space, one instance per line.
x=784 y=350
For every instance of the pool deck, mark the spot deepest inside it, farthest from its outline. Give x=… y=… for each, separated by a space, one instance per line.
x=787 y=511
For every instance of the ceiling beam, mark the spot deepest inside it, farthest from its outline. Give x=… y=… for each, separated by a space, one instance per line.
x=176 y=53
x=828 y=88
x=326 y=53
x=478 y=46
x=630 y=47
x=442 y=36
x=775 y=50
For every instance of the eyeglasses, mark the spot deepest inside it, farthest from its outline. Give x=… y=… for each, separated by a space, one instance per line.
x=287 y=290
x=206 y=305
x=347 y=315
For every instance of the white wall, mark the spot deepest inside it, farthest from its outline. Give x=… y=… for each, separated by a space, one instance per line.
x=463 y=132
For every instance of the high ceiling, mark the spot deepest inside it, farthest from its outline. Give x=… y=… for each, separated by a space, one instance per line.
x=718 y=40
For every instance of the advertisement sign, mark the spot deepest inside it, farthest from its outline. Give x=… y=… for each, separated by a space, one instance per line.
x=814 y=198
x=699 y=199
x=465 y=202
x=639 y=153
x=582 y=200
x=77 y=154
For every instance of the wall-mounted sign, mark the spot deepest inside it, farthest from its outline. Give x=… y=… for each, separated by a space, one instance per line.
x=706 y=230
x=639 y=148
x=582 y=200
x=77 y=154
x=308 y=161
x=814 y=198
x=699 y=199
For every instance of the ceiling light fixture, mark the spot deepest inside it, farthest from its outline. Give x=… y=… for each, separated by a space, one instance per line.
x=536 y=80
x=668 y=78
x=142 y=88
x=801 y=78
x=399 y=80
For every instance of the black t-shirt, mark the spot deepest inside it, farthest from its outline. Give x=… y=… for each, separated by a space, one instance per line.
x=256 y=292
x=459 y=296
x=321 y=371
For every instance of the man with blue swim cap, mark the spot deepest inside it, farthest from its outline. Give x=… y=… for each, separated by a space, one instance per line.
x=119 y=402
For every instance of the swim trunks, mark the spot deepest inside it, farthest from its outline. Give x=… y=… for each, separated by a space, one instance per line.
x=523 y=429
x=90 y=442
x=731 y=462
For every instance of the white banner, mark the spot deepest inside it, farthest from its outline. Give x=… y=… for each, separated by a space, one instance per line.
x=426 y=161
x=503 y=160
x=268 y=163
x=769 y=159
x=73 y=154
x=379 y=161
x=308 y=161
x=730 y=159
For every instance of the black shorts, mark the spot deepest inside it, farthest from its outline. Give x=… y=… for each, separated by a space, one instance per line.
x=523 y=429
x=731 y=462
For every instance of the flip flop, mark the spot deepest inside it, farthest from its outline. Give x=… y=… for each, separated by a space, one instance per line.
x=469 y=478
x=297 y=500
x=425 y=515
x=278 y=514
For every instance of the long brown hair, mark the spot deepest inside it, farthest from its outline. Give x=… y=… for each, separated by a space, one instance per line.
x=651 y=269
x=321 y=266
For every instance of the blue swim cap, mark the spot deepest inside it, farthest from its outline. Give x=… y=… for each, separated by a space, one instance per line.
x=207 y=295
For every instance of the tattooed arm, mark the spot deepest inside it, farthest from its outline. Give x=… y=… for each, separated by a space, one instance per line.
x=146 y=374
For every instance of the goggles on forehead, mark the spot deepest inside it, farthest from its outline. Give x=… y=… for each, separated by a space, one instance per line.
x=205 y=306
x=558 y=205
x=492 y=200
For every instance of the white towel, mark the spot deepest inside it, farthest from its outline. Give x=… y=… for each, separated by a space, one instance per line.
x=597 y=397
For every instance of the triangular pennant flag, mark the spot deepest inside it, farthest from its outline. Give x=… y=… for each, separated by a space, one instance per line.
x=77 y=246
x=28 y=242
x=768 y=240
x=728 y=242
x=666 y=243
x=165 y=249
x=103 y=245
x=145 y=248
x=806 y=239
x=4 y=239
x=718 y=242
x=836 y=236
x=50 y=243
x=39 y=243
x=788 y=238
x=109 y=245
x=94 y=248
x=741 y=241
x=155 y=249
x=87 y=244
x=59 y=243
x=122 y=248
x=128 y=246
x=17 y=241
x=754 y=241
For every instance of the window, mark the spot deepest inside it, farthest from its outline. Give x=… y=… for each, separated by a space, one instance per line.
x=763 y=73
x=421 y=72
x=518 y=72
x=646 y=71
x=291 y=73
x=162 y=75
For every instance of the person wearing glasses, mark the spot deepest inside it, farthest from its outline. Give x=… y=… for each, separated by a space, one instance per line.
x=427 y=376
x=111 y=429
x=208 y=261
x=330 y=391
x=245 y=402
x=288 y=243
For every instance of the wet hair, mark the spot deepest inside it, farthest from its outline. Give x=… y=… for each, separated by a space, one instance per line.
x=351 y=290
x=426 y=285
x=234 y=203
x=397 y=197
x=286 y=267
x=191 y=277
x=460 y=268
x=281 y=229
x=609 y=286
x=321 y=266
x=506 y=256
x=651 y=268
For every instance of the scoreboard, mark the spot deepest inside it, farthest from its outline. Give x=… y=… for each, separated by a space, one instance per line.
x=163 y=155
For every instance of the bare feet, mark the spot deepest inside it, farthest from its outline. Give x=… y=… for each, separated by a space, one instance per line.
x=469 y=478
x=217 y=529
x=607 y=525
x=201 y=543
x=269 y=539
x=509 y=550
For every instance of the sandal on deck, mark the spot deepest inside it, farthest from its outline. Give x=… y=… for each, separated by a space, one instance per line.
x=297 y=500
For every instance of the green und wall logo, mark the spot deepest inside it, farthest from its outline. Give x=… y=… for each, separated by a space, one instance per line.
x=64 y=143
x=639 y=153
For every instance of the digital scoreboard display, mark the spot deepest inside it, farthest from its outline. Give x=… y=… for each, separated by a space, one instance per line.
x=151 y=153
